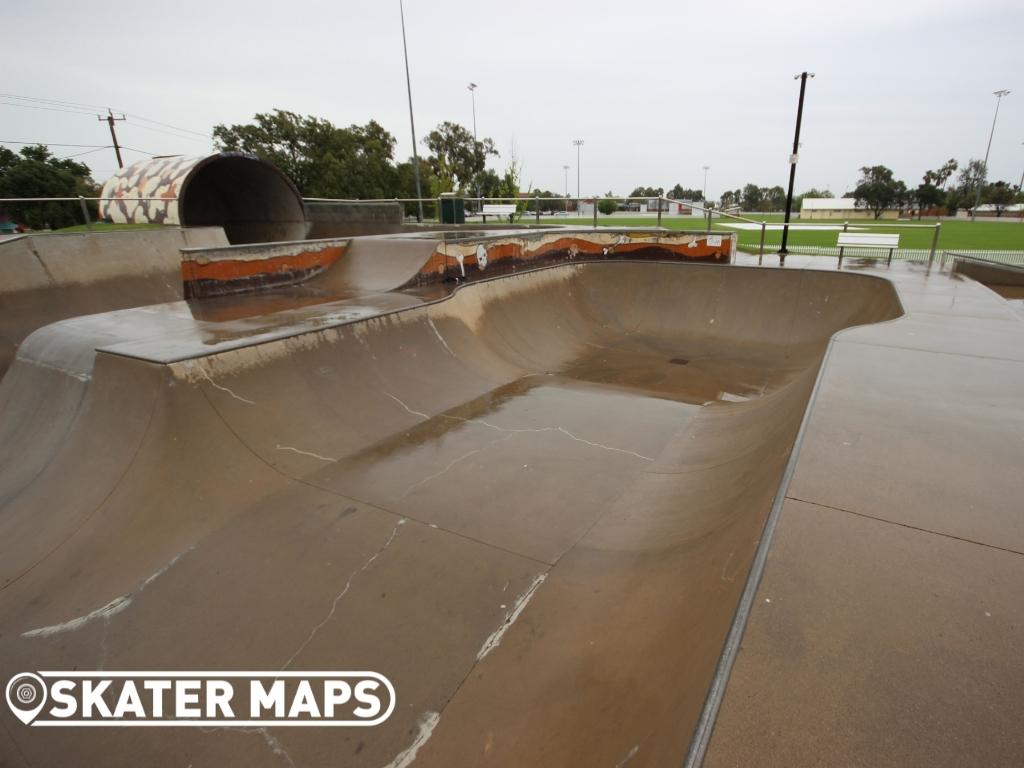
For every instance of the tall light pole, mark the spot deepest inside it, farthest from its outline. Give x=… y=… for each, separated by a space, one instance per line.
x=984 y=168
x=1021 y=185
x=412 y=123
x=578 y=143
x=566 y=169
x=472 y=94
x=792 y=163
x=705 y=193
x=472 y=88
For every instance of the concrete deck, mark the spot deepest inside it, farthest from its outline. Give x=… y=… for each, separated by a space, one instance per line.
x=889 y=624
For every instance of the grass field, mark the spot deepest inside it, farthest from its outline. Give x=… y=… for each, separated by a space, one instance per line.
x=982 y=235
x=102 y=226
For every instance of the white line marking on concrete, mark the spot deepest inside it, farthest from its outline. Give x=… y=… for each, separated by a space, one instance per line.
x=328 y=459
x=494 y=640
x=337 y=598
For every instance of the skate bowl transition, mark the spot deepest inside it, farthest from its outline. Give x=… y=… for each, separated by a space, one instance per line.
x=531 y=500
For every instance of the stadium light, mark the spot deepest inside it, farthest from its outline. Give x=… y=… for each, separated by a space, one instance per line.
x=472 y=94
x=802 y=77
x=704 y=194
x=984 y=168
x=566 y=169
x=578 y=143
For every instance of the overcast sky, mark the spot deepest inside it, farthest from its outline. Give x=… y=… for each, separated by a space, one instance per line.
x=655 y=89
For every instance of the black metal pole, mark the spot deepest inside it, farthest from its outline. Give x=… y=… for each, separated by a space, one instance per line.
x=792 y=168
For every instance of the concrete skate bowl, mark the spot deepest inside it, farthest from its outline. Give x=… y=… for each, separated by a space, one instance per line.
x=531 y=505
x=251 y=199
x=55 y=276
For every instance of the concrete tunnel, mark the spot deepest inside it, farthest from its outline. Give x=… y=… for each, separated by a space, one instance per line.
x=250 y=198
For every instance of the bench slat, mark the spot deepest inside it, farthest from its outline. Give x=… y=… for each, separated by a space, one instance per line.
x=868 y=240
x=499 y=210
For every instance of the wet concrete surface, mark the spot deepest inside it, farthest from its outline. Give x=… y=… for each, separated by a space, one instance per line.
x=887 y=625
x=388 y=493
x=533 y=506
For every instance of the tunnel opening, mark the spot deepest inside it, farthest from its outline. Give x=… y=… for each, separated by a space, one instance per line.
x=252 y=200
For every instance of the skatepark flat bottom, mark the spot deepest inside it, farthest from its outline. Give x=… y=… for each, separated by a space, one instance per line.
x=532 y=505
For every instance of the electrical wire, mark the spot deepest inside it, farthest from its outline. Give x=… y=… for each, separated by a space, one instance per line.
x=48 y=109
x=87 y=152
x=95 y=106
x=51 y=144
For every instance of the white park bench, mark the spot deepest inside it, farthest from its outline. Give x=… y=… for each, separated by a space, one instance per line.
x=867 y=240
x=498 y=209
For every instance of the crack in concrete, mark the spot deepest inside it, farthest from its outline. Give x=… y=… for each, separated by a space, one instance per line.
x=340 y=595
x=301 y=452
x=105 y=612
x=222 y=388
x=452 y=463
x=518 y=607
x=406 y=407
x=561 y=430
x=427 y=723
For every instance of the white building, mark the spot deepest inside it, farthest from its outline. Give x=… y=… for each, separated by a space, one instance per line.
x=839 y=208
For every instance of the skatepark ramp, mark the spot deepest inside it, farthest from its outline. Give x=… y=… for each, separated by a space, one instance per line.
x=532 y=503
x=55 y=276
x=249 y=198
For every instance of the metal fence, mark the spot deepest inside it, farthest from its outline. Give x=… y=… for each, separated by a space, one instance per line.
x=83 y=202
x=999 y=258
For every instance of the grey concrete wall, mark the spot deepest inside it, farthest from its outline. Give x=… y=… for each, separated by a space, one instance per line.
x=51 y=277
x=346 y=219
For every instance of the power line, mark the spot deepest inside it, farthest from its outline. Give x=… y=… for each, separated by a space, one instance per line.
x=168 y=133
x=87 y=152
x=48 y=109
x=95 y=106
x=140 y=151
x=167 y=125
x=49 y=101
x=52 y=144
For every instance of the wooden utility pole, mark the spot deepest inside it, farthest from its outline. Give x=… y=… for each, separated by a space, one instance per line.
x=113 y=134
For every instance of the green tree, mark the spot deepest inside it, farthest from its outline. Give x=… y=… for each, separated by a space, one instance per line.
x=606 y=206
x=322 y=159
x=971 y=175
x=679 y=192
x=730 y=199
x=37 y=173
x=776 y=198
x=878 y=190
x=939 y=177
x=927 y=195
x=999 y=195
x=753 y=196
x=457 y=158
x=648 y=192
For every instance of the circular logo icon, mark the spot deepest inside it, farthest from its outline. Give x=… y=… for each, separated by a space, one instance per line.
x=26 y=696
